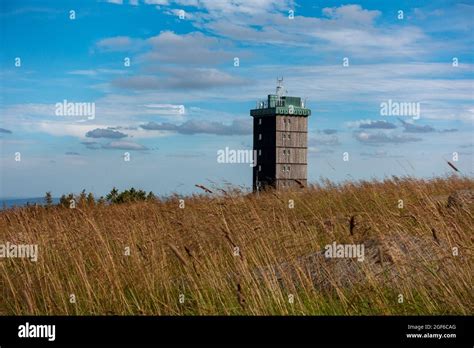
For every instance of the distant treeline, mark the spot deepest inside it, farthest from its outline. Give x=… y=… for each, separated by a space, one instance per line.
x=88 y=199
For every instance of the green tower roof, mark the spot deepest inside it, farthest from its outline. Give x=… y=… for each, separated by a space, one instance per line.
x=281 y=105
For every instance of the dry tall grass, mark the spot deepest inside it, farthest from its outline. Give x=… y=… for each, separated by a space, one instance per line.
x=236 y=254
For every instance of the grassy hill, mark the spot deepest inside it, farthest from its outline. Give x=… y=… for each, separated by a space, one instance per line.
x=234 y=254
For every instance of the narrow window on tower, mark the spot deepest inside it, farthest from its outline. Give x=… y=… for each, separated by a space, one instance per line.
x=289 y=136
x=259 y=121
x=284 y=136
x=260 y=137
x=259 y=168
x=259 y=152
x=288 y=168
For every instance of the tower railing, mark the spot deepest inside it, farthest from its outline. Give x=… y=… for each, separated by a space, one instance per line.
x=279 y=102
x=262 y=104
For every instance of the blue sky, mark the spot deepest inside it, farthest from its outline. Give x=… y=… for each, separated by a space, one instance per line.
x=189 y=62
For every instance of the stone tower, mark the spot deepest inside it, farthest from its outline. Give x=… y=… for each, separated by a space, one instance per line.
x=280 y=141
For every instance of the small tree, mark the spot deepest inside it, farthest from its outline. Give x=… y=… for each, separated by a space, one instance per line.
x=131 y=195
x=82 y=198
x=140 y=195
x=48 y=199
x=112 y=196
x=90 y=199
x=63 y=201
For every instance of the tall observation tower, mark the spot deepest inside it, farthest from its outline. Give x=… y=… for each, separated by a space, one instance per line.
x=280 y=140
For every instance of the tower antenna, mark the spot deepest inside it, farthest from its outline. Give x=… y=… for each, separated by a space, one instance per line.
x=279 y=88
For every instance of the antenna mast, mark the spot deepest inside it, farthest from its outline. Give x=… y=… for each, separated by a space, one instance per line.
x=279 y=88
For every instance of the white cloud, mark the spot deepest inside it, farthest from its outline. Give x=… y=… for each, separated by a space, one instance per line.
x=192 y=48
x=357 y=123
x=180 y=78
x=347 y=28
x=96 y=72
x=156 y=2
x=437 y=86
x=380 y=138
x=117 y=44
x=443 y=96
x=351 y=13
x=218 y=8
x=61 y=128
x=83 y=72
x=240 y=126
x=124 y=145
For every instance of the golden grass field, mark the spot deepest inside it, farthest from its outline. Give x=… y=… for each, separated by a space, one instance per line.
x=230 y=253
